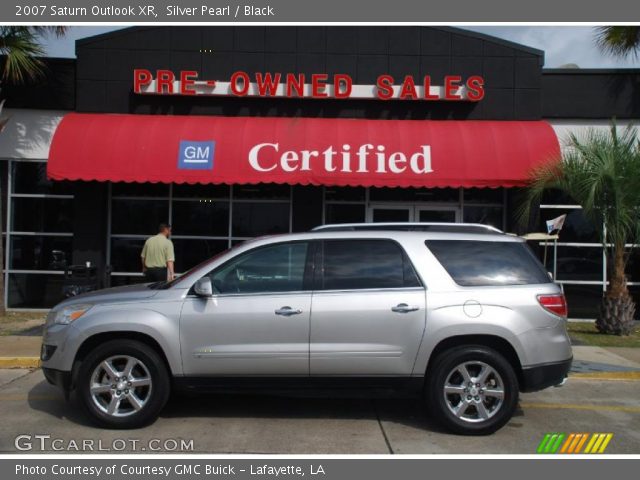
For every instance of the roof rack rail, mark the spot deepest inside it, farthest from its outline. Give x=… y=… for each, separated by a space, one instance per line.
x=410 y=227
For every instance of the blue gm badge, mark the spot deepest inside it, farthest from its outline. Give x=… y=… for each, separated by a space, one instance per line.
x=196 y=155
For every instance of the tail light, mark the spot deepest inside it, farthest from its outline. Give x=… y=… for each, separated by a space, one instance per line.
x=555 y=304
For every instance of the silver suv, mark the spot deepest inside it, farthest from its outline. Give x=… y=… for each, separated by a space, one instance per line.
x=462 y=315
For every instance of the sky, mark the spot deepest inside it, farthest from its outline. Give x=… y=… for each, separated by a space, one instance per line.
x=562 y=44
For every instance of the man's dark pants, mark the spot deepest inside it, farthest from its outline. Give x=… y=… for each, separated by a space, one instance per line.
x=156 y=274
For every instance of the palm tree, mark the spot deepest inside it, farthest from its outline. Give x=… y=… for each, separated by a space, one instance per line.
x=21 y=50
x=619 y=41
x=601 y=172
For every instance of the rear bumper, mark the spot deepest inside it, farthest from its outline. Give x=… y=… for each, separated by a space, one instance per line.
x=539 y=377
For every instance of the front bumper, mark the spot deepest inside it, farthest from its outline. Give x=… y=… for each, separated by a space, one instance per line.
x=58 y=378
x=539 y=377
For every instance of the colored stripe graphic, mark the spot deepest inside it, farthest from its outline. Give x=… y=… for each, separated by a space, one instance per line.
x=574 y=442
x=543 y=443
x=550 y=443
x=570 y=439
x=605 y=443
x=598 y=442
x=581 y=443
x=557 y=443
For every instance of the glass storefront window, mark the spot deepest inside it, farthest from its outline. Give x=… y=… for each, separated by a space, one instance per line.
x=39 y=233
x=31 y=177
x=191 y=252
x=576 y=229
x=484 y=215
x=345 y=194
x=42 y=214
x=202 y=211
x=577 y=263
x=414 y=194
x=264 y=191
x=253 y=219
x=556 y=197
x=202 y=217
x=201 y=192
x=633 y=266
x=583 y=300
x=138 y=217
x=122 y=189
x=34 y=290
x=483 y=195
x=125 y=254
x=4 y=167
x=36 y=252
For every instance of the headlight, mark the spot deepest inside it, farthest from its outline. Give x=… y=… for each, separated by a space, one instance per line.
x=70 y=313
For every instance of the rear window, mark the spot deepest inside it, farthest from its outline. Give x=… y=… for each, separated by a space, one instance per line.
x=475 y=263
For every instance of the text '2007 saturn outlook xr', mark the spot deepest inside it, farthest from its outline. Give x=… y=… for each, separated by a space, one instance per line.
x=462 y=315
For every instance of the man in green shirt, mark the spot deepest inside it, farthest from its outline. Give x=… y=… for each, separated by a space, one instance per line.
x=158 y=257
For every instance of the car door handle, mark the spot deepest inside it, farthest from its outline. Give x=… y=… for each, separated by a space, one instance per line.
x=404 y=308
x=288 y=311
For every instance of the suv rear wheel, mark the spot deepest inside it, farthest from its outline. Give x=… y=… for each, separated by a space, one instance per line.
x=472 y=390
x=123 y=384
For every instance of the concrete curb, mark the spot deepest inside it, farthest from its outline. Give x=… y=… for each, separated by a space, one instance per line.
x=632 y=375
x=19 y=362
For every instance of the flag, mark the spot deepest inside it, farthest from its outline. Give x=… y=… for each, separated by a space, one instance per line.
x=556 y=223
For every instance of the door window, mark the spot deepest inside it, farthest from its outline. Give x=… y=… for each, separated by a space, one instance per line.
x=361 y=264
x=276 y=268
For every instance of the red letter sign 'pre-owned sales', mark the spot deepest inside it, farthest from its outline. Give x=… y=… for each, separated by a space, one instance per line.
x=315 y=85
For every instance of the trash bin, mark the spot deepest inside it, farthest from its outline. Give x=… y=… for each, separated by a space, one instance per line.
x=79 y=279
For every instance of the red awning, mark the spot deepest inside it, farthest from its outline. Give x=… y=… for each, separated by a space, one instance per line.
x=315 y=151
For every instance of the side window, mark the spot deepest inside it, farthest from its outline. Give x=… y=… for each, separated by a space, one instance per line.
x=482 y=263
x=277 y=268
x=359 y=264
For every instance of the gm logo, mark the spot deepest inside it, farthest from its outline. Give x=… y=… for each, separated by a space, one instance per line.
x=196 y=155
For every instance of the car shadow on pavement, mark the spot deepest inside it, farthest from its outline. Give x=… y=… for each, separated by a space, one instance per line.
x=48 y=399
x=405 y=411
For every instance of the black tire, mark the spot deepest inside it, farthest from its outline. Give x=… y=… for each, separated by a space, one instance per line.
x=439 y=404
x=158 y=392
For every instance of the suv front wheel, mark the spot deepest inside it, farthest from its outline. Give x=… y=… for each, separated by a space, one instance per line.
x=123 y=384
x=472 y=390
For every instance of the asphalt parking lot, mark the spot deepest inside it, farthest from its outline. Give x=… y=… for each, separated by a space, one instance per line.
x=274 y=425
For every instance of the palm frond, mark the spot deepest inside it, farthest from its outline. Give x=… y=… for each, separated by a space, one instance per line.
x=22 y=51
x=619 y=41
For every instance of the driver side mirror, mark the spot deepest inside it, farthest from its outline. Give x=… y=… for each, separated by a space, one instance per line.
x=203 y=287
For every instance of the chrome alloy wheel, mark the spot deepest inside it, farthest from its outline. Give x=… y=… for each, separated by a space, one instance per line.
x=474 y=391
x=120 y=386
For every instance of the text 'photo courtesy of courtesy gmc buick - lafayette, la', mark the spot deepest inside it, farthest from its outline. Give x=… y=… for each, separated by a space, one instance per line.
x=461 y=315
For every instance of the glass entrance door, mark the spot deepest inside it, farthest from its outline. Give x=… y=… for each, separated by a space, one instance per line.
x=390 y=214
x=377 y=213
x=437 y=214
